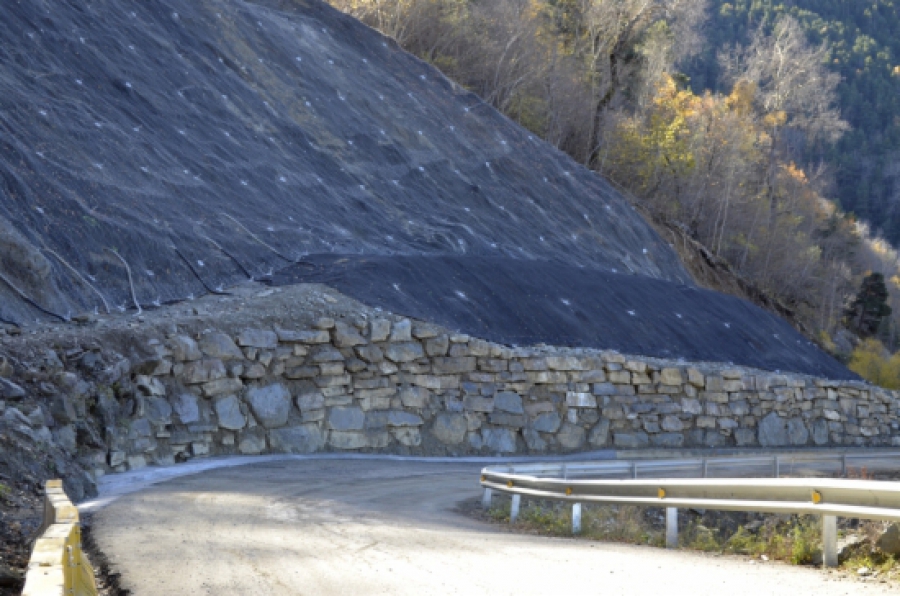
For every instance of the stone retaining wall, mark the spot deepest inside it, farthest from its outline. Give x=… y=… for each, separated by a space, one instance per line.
x=410 y=387
x=396 y=385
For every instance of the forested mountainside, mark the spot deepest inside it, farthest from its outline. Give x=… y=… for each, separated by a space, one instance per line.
x=862 y=38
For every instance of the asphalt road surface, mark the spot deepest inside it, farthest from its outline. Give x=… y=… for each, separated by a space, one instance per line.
x=385 y=527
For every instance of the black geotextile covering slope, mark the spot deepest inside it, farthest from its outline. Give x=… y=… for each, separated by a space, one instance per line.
x=185 y=145
x=525 y=303
x=213 y=139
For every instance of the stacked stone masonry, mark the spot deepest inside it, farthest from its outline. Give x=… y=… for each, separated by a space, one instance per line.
x=396 y=385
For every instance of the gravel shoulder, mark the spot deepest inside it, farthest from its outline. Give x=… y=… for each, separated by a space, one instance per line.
x=369 y=527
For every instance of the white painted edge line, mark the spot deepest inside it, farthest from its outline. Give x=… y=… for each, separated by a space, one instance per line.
x=113 y=486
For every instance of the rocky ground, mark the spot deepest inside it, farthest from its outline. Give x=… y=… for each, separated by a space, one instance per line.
x=34 y=447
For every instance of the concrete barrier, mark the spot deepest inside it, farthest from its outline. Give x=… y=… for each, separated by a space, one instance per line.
x=58 y=565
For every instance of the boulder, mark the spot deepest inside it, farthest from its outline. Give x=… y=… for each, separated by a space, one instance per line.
x=346 y=336
x=228 y=412
x=499 y=440
x=306 y=438
x=402 y=331
x=184 y=349
x=599 y=435
x=380 y=330
x=258 y=338
x=203 y=371
x=415 y=397
x=410 y=437
x=570 y=436
x=270 y=405
x=404 y=352
x=449 y=428
x=185 y=407
x=219 y=345
x=533 y=440
x=159 y=411
x=889 y=541
x=635 y=440
x=506 y=401
x=547 y=422
x=775 y=431
x=346 y=418
x=667 y=440
x=252 y=441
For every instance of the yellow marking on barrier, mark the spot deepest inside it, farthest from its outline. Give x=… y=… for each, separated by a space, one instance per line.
x=661 y=493
x=568 y=490
x=816 y=497
x=483 y=477
x=509 y=484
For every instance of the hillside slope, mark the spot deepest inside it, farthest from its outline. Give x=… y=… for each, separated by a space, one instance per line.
x=206 y=141
x=151 y=153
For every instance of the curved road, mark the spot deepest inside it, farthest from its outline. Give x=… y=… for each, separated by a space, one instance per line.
x=331 y=527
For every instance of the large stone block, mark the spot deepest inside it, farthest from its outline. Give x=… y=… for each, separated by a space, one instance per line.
x=347 y=418
x=252 y=441
x=222 y=387
x=397 y=418
x=667 y=440
x=451 y=366
x=258 y=338
x=306 y=438
x=633 y=440
x=219 y=345
x=402 y=331
x=415 y=397
x=576 y=399
x=203 y=371
x=303 y=337
x=820 y=432
x=570 y=436
x=670 y=376
x=599 y=435
x=185 y=407
x=499 y=440
x=346 y=336
x=449 y=428
x=775 y=431
x=506 y=419
x=507 y=401
x=270 y=405
x=184 y=349
x=533 y=440
x=404 y=352
x=370 y=353
x=547 y=422
x=380 y=330
x=159 y=411
x=228 y=412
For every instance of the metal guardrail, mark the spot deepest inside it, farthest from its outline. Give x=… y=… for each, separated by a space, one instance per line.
x=713 y=483
x=58 y=566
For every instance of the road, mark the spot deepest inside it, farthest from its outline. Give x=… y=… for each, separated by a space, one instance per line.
x=327 y=527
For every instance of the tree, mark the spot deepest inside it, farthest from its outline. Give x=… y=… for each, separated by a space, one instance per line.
x=870 y=306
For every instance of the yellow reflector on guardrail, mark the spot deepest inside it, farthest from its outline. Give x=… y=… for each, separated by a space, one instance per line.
x=816 y=497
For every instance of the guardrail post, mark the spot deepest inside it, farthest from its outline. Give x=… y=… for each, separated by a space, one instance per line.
x=634 y=469
x=776 y=465
x=514 y=508
x=671 y=527
x=486 y=498
x=576 y=518
x=829 y=541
